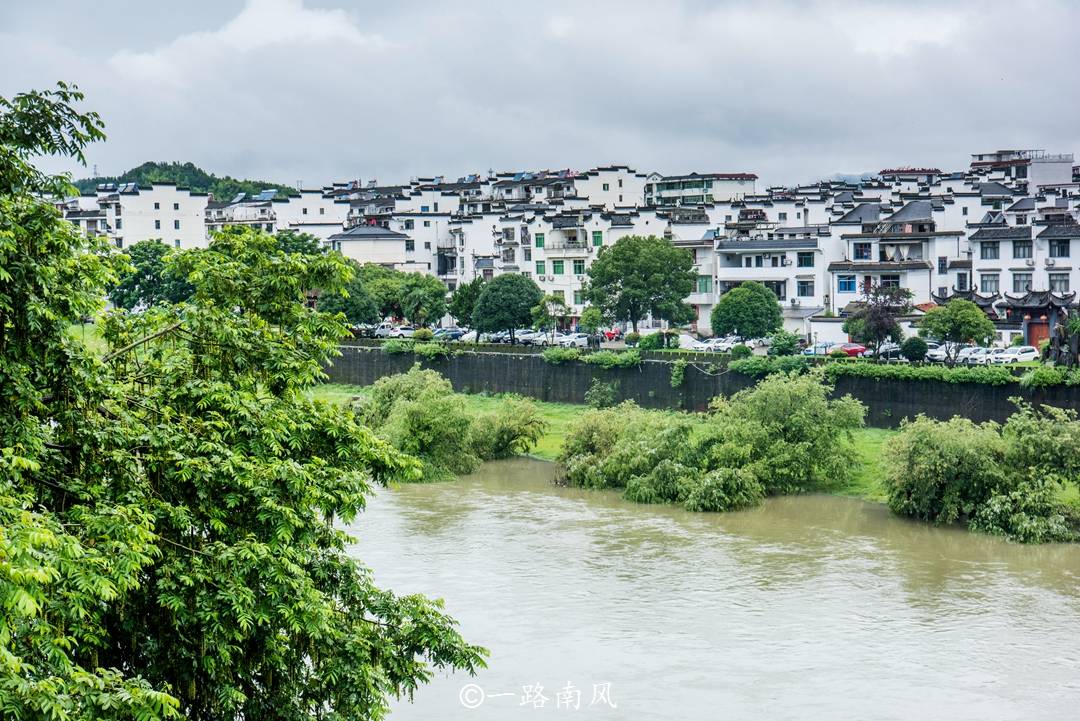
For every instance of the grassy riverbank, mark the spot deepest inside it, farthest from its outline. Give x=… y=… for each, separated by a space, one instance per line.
x=866 y=484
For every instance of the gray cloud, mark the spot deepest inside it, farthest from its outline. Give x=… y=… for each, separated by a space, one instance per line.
x=320 y=91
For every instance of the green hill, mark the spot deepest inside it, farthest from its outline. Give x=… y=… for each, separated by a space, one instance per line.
x=188 y=175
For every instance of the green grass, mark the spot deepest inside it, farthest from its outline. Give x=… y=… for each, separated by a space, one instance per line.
x=89 y=334
x=866 y=484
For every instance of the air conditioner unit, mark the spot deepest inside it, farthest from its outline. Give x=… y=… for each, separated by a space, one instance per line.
x=1030 y=262
x=1049 y=262
x=785 y=261
x=794 y=302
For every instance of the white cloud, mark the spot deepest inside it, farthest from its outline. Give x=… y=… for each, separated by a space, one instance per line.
x=283 y=90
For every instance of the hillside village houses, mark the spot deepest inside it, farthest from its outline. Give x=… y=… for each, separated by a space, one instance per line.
x=1003 y=232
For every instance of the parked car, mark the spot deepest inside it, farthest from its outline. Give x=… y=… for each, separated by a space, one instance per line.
x=382 y=330
x=887 y=351
x=819 y=348
x=402 y=331
x=724 y=345
x=575 y=340
x=548 y=339
x=709 y=345
x=449 y=333
x=977 y=356
x=988 y=358
x=528 y=337
x=1017 y=354
x=470 y=337
x=853 y=350
x=942 y=352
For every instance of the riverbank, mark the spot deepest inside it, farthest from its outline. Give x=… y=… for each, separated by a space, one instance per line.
x=865 y=484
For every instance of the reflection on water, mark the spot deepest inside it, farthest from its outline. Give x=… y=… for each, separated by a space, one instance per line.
x=809 y=607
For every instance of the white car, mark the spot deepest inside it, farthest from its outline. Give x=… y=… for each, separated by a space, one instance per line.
x=402 y=331
x=547 y=339
x=708 y=345
x=724 y=345
x=1017 y=354
x=383 y=330
x=575 y=340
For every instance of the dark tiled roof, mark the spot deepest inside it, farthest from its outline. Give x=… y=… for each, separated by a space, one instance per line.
x=862 y=213
x=368 y=232
x=1060 y=230
x=1024 y=204
x=1019 y=232
x=914 y=211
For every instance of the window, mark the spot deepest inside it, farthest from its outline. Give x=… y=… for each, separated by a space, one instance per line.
x=988 y=283
x=119 y=242
x=427 y=223
x=176 y=225
x=943 y=290
x=889 y=281
x=597 y=238
x=963 y=211
x=989 y=250
x=727 y=218
x=176 y=206
x=579 y=267
x=176 y=243
x=322 y=211
x=119 y=224
x=620 y=198
x=410 y=245
x=1021 y=220
x=862 y=250
x=962 y=281
x=942 y=264
x=527 y=253
x=783 y=216
x=1059 y=248
x=539 y=240
x=1021 y=282
x=1021 y=248
x=775 y=261
x=758 y=261
x=541 y=267
x=577 y=297
x=749 y=261
x=845 y=284
x=269 y=227
x=805 y=260
x=607 y=187
x=1059 y=282
x=424 y=208
x=157 y=206
x=620 y=182
x=704 y=284
x=804 y=288
x=409 y=224
x=436 y=207
x=557 y=267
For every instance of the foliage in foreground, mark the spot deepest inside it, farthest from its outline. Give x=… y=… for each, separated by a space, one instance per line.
x=783 y=436
x=418 y=413
x=759 y=366
x=1000 y=479
x=168 y=511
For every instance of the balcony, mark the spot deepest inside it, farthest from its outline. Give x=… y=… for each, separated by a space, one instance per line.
x=567 y=248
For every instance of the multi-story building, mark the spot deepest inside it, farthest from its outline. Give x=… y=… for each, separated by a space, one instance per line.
x=697 y=188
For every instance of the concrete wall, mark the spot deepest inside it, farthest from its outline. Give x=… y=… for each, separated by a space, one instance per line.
x=649 y=384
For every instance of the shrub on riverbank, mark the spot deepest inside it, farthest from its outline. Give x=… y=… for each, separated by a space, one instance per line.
x=998 y=479
x=418 y=413
x=783 y=436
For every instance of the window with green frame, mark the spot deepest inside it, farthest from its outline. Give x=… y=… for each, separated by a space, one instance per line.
x=704 y=284
x=539 y=240
x=557 y=267
x=579 y=267
x=577 y=297
x=598 y=237
x=541 y=268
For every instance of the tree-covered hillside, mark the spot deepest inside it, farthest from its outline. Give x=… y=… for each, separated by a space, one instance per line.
x=188 y=175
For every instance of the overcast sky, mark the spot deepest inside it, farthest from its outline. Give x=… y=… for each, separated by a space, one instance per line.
x=288 y=90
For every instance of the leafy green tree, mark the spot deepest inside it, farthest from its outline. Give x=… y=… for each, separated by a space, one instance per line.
x=783 y=342
x=914 y=349
x=548 y=313
x=149 y=281
x=750 y=310
x=506 y=303
x=463 y=300
x=170 y=511
x=423 y=298
x=591 y=319
x=353 y=300
x=876 y=320
x=639 y=276
x=384 y=285
x=292 y=241
x=955 y=323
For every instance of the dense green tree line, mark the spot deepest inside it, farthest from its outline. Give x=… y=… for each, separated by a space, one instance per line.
x=187 y=175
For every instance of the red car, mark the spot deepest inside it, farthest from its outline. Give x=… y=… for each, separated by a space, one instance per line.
x=853 y=350
x=612 y=334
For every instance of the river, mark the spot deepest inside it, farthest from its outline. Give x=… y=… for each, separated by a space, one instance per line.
x=812 y=607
